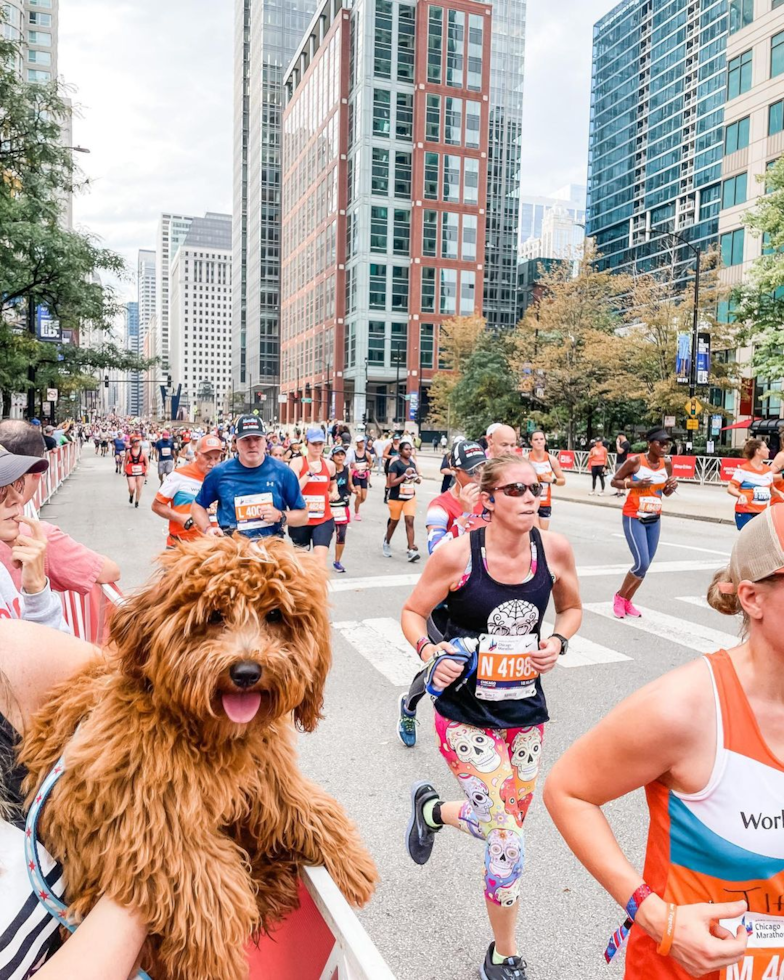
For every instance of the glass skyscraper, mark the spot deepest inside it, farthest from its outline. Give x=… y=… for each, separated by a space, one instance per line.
x=657 y=130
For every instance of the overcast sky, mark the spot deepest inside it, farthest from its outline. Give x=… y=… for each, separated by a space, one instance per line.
x=153 y=79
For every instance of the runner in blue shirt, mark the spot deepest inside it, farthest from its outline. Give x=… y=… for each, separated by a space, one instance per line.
x=166 y=456
x=119 y=451
x=257 y=495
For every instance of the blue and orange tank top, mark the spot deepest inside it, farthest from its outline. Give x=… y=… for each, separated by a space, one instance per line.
x=756 y=487
x=646 y=504
x=724 y=844
x=543 y=467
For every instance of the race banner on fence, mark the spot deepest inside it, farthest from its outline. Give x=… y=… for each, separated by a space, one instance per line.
x=684 y=467
x=566 y=459
x=728 y=467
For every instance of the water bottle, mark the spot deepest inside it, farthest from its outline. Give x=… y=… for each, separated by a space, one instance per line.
x=465 y=648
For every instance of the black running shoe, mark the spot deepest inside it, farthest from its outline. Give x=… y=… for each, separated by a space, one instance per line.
x=419 y=834
x=513 y=967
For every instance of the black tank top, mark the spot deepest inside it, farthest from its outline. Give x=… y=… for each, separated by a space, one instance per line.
x=341 y=485
x=483 y=605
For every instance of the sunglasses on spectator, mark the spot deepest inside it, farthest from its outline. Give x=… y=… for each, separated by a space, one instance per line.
x=519 y=489
x=17 y=486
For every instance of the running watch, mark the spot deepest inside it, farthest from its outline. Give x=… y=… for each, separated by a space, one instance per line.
x=564 y=643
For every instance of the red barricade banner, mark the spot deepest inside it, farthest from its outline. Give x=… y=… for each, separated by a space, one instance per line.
x=728 y=467
x=566 y=459
x=684 y=467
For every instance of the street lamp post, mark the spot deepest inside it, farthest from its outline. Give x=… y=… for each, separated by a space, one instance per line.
x=397 y=379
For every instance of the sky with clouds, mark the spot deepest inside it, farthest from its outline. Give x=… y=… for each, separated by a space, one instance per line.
x=154 y=83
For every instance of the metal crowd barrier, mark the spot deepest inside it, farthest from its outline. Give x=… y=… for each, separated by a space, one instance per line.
x=62 y=462
x=716 y=470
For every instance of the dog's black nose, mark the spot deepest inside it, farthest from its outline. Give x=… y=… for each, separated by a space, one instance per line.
x=246 y=673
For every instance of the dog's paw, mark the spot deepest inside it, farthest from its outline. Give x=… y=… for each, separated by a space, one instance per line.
x=357 y=878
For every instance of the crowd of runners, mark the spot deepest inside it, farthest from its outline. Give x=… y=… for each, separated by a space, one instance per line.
x=702 y=740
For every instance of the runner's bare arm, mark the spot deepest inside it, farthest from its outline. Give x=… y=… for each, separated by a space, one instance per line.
x=628 y=469
x=566 y=596
x=168 y=513
x=442 y=572
x=202 y=520
x=560 y=479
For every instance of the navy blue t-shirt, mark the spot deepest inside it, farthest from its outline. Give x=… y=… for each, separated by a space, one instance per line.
x=241 y=491
x=119 y=445
x=162 y=445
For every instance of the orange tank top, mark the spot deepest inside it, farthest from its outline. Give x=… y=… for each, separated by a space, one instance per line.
x=646 y=504
x=723 y=844
x=316 y=494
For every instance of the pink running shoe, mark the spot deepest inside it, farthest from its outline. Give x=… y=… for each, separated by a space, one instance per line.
x=631 y=610
x=619 y=606
x=357 y=516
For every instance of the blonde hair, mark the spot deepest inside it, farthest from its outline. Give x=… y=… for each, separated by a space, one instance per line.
x=728 y=604
x=492 y=470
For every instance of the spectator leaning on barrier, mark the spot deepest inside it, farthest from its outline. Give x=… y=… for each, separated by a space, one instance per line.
x=49 y=441
x=70 y=566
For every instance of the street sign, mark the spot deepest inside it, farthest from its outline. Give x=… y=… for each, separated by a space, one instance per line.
x=282 y=399
x=694 y=407
x=692 y=423
x=710 y=446
x=51 y=394
x=716 y=421
x=307 y=401
x=669 y=421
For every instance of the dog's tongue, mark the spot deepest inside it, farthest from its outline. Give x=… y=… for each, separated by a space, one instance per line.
x=241 y=708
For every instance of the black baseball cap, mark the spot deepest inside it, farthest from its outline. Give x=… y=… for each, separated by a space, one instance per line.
x=658 y=435
x=467 y=456
x=13 y=466
x=249 y=425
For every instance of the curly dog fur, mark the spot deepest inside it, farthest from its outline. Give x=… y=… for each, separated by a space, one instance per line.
x=199 y=823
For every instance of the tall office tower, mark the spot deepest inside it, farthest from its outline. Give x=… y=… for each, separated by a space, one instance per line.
x=384 y=198
x=267 y=33
x=132 y=343
x=172 y=230
x=753 y=140
x=145 y=292
x=533 y=209
x=200 y=314
x=657 y=115
x=507 y=69
x=34 y=23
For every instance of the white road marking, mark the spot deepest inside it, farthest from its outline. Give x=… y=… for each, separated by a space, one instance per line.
x=694 y=600
x=694 y=636
x=584 y=652
x=374 y=582
x=685 y=547
x=382 y=644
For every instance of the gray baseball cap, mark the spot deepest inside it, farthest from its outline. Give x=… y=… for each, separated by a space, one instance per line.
x=13 y=466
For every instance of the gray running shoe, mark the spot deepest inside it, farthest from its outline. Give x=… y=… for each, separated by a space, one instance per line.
x=387 y=549
x=419 y=834
x=513 y=967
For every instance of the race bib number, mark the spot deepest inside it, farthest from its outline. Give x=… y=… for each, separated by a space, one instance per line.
x=649 y=507
x=315 y=505
x=165 y=451
x=340 y=513
x=407 y=491
x=504 y=669
x=764 y=956
x=361 y=467
x=137 y=469
x=761 y=495
x=248 y=510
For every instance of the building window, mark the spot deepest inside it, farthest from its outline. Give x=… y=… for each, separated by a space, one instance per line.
x=379 y=178
x=469 y=237
x=426 y=346
x=401 y=232
x=41 y=38
x=376 y=339
x=449 y=235
x=433 y=119
x=453 y=121
x=40 y=20
x=741 y=14
x=431 y=176
x=475 y=31
x=776 y=118
x=448 y=299
x=381 y=112
x=429 y=232
x=404 y=121
x=41 y=3
x=428 y=290
x=350 y=345
x=776 y=54
x=39 y=57
x=454 y=48
x=399 y=287
x=399 y=344
x=470 y=181
x=734 y=191
x=739 y=74
x=403 y=175
x=452 y=178
x=378 y=229
x=736 y=135
x=382 y=50
x=435 y=31
x=467 y=293
x=378 y=286
x=473 y=114
x=35 y=75
x=732 y=247
x=405 y=43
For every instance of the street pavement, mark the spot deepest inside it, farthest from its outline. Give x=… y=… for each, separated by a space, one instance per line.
x=430 y=923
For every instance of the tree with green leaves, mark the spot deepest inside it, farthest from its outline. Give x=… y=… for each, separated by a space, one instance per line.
x=43 y=263
x=487 y=390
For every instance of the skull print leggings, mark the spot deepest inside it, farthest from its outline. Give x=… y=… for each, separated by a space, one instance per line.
x=497 y=770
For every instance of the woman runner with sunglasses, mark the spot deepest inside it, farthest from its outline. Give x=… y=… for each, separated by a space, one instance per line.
x=489 y=718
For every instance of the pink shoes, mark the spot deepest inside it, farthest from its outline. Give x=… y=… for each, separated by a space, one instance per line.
x=357 y=516
x=623 y=608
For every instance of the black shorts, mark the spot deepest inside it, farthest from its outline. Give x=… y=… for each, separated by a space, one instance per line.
x=315 y=535
x=361 y=481
x=546 y=512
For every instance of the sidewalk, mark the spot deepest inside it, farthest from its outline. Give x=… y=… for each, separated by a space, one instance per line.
x=691 y=501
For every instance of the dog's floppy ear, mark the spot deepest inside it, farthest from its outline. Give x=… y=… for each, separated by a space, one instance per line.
x=307 y=714
x=127 y=634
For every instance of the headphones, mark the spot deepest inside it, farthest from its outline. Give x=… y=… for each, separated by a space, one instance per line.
x=491 y=499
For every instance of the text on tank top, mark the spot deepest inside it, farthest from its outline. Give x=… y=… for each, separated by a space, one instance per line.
x=316 y=493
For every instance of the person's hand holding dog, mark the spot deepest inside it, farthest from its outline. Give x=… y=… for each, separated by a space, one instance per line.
x=28 y=552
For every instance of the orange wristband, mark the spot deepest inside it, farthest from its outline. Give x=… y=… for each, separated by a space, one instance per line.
x=664 y=947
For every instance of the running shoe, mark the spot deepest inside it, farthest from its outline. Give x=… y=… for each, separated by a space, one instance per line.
x=338 y=567
x=387 y=549
x=513 y=967
x=136 y=504
x=632 y=610
x=357 y=516
x=419 y=835
x=413 y=554
x=619 y=606
x=592 y=493
x=406 y=724
x=130 y=498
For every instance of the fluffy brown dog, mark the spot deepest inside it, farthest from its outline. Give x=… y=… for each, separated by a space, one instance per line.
x=181 y=797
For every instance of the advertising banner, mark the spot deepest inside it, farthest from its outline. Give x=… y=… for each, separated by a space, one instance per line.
x=566 y=459
x=413 y=406
x=46 y=327
x=684 y=467
x=728 y=467
x=683 y=358
x=703 y=358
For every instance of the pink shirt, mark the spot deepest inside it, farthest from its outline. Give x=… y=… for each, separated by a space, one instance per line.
x=70 y=566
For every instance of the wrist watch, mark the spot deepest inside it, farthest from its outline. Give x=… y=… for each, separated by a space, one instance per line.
x=564 y=642
x=283 y=519
x=188 y=524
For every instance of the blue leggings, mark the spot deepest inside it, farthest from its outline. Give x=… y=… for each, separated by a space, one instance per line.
x=643 y=540
x=741 y=520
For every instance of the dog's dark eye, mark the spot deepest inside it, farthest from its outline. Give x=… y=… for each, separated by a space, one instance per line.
x=274 y=616
x=215 y=618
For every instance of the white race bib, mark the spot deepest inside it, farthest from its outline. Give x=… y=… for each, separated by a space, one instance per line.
x=137 y=469
x=407 y=491
x=315 y=505
x=340 y=513
x=764 y=956
x=761 y=495
x=165 y=450
x=248 y=510
x=649 y=507
x=504 y=671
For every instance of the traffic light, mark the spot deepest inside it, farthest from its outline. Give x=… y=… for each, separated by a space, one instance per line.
x=168 y=381
x=106 y=381
x=364 y=418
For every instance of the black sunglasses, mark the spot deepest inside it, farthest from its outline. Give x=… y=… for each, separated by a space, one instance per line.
x=519 y=489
